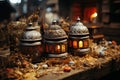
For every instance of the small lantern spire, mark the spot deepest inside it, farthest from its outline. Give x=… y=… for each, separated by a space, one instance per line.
x=54 y=21
x=78 y=19
x=30 y=24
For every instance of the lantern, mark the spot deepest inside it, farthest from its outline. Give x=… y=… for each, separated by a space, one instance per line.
x=78 y=38
x=55 y=40
x=31 y=43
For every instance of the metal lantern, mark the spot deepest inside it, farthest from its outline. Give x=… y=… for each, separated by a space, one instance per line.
x=31 y=43
x=55 y=40
x=79 y=38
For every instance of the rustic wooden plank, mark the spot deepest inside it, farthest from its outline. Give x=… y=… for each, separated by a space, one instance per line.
x=88 y=73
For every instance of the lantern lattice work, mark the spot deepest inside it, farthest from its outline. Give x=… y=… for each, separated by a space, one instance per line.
x=78 y=39
x=55 y=40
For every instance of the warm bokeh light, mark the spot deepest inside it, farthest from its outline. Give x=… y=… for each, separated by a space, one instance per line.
x=94 y=15
x=88 y=11
x=85 y=43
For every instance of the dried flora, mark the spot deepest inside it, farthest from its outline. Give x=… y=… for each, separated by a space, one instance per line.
x=18 y=66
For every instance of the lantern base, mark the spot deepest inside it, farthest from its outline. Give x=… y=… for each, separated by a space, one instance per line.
x=35 y=52
x=81 y=51
x=58 y=55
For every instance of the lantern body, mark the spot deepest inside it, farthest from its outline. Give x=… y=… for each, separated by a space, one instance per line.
x=56 y=48
x=78 y=46
x=31 y=43
x=55 y=40
x=78 y=39
x=35 y=52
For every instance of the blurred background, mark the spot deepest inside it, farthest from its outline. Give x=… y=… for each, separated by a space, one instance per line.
x=106 y=11
x=69 y=8
x=102 y=17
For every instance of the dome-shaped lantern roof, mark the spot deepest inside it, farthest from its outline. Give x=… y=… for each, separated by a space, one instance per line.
x=78 y=29
x=30 y=34
x=55 y=32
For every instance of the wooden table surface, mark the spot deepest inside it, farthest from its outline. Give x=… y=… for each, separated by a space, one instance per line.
x=88 y=73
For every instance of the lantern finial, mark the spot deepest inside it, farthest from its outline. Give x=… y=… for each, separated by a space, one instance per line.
x=78 y=19
x=54 y=21
x=30 y=24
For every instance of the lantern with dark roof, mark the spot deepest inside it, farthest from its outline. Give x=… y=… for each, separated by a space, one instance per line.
x=78 y=38
x=31 y=43
x=55 y=40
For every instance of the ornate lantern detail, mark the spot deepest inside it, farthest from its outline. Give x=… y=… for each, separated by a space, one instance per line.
x=55 y=40
x=79 y=38
x=31 y=43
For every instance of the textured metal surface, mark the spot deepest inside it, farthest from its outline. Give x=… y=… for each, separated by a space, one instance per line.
x=31 y=36
x=55 y=32
x=78 y=29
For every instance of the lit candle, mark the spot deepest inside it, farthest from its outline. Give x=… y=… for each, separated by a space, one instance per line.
x=58 y=48
x=80 y=44
x=74 y=44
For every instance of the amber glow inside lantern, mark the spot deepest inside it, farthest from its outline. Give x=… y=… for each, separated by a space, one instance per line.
x=79 y=38
x=80 y=44
x=55 y=41
x=63 y=48
x=58 y=48
x=74 y=44
x=86 y=43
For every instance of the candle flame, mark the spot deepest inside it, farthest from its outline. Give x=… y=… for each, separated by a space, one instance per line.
x=94 y=15
x=58 y=47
